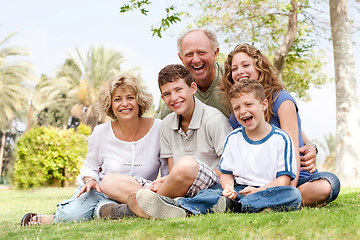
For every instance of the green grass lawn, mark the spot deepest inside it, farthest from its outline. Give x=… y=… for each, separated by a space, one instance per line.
x=338 y=220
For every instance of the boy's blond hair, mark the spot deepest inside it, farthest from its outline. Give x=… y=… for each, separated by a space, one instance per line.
x=247 y=86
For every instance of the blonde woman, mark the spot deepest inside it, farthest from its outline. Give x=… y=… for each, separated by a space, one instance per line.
x=123 y=157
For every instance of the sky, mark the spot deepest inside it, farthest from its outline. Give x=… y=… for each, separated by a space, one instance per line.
x=53 y=29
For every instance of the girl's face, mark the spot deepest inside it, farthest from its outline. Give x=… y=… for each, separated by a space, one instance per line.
x=242 y=66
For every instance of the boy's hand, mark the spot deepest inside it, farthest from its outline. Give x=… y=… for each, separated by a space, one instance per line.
x=229 y=193
x=248 y=190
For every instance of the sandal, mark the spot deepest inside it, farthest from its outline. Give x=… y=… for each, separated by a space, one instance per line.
x=31 y=219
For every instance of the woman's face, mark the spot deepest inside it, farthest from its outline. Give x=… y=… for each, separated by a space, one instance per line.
x=242 y=67
x=124 y=104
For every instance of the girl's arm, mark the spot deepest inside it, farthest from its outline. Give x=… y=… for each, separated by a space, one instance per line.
x=308 y=160
x=288 y=123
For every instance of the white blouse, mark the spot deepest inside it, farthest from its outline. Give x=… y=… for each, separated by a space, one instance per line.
x=107 y=154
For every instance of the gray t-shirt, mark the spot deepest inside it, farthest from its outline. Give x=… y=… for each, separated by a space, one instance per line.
x=204 y=139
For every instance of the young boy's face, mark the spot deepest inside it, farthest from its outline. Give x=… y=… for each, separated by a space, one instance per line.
x=248 y=110
x=178 y=96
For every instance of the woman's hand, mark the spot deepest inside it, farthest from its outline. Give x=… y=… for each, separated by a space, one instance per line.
x=308 y=160
x=92 y=184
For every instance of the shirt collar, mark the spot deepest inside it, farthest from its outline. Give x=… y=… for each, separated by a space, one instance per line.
x=196 y=117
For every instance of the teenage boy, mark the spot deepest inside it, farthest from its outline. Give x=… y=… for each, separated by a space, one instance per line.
x=257 y=166
x=192 y=137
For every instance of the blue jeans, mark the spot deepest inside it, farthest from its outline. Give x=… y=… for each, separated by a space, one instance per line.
x=330 y=177
x=281 y=198
x=79 y=209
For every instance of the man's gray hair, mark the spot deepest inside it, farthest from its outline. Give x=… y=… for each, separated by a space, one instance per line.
x=211 y=35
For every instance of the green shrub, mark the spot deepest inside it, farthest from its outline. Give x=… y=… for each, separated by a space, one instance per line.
x=46 y=155
x=83 y=129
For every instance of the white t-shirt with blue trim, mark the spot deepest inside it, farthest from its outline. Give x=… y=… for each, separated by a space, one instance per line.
x=257 y=163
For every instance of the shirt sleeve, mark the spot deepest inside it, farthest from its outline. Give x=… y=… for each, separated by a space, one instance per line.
x=286 y=157
x=218 y=128
x=165 y=147
x=92 y=162
x=227 y=161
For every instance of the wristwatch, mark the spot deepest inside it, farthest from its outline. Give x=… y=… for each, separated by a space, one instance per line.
x=314 y=145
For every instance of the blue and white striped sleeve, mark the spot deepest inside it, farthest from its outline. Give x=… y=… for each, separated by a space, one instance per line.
x=286 y=155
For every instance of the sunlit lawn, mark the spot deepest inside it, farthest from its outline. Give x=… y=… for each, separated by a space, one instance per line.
x=338 y=220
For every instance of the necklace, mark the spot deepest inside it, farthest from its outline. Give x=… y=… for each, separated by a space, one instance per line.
x=122 y=135
x=137 y=126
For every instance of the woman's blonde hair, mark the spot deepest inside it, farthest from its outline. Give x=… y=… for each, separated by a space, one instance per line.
x=126 y=82
x=267 y=76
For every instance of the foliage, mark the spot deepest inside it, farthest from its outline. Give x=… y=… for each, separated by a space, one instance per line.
x=8 y=159
x=338 y=220
x=16 y=78
x=78 y=81
x=264 y=24
x=54 y=97
x=83 y=130
x=172 y=16
x=330 y=149
x=45 y=155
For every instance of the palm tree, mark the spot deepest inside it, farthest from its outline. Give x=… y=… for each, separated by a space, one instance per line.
x=330 y=149
x=80 y=79
x=15 y=87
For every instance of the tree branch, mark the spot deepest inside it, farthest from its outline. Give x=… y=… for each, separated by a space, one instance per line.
x=282 y=52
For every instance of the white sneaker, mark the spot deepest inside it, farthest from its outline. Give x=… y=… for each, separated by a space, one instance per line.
x=158 y=206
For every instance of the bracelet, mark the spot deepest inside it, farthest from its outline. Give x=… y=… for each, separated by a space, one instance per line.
x=90 y=180
x=314 y=145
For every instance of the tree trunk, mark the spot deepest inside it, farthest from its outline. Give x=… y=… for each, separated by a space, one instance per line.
x=291 y=34
x=2 y=148
x=347 y=165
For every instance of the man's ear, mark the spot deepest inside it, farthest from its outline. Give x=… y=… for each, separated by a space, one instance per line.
x=216 y=53
x=265 y=104
x=181 y=59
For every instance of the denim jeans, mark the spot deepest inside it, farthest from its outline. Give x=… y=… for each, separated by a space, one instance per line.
x=330 y=177
x=282 y=198
x=79 y=209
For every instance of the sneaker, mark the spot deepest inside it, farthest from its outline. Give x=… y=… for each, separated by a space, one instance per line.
x=111 y=210
x=225 y=204
x=134 y=206
x=158 y=206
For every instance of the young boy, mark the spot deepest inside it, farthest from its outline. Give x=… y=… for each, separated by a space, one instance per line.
x=257 y=164
x=192 y=139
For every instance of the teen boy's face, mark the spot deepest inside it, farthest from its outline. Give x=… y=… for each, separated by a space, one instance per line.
x=178 y=96
x=242 y=67
x=248 y=110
